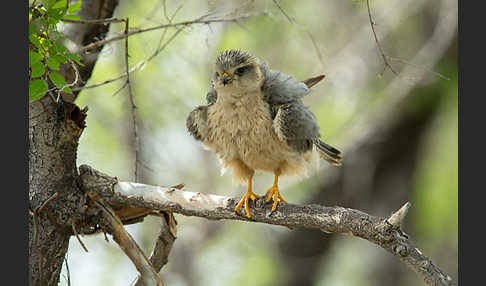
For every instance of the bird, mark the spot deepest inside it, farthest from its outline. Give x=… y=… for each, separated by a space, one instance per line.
x=255 y=119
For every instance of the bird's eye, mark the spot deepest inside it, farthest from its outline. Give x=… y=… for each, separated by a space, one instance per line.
x=240 y=71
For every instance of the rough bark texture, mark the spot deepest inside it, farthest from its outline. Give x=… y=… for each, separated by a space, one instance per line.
x=54 y=130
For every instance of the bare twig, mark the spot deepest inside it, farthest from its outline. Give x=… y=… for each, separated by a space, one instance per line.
x=419 y=67
x=318 y=52
x=372 y=23
x=132 y=102
x=201 y=20
x=163 y=246
x=283 y=11
x=77 y=236
x=183 y=24
x=136 y=67
x=114 y=226
x=94 y=21
x=77 y=79
x=311 y=37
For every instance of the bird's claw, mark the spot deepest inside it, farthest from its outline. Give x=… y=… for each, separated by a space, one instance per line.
x=275 y=193
x=244 y=201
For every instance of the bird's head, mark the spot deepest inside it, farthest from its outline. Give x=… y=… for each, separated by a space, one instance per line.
x=237 y=73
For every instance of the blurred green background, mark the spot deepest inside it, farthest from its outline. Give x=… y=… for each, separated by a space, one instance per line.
x=398 y=134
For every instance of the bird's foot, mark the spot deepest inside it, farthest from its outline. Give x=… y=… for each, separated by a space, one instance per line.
x=244 y=201
x=275 y=193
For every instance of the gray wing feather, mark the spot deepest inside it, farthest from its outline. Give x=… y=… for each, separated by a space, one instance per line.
x=196 y=122
x=279 y=88
x=292 y=121
x=296 y=125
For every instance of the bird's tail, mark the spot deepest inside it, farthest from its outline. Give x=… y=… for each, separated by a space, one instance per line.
x=327 y=152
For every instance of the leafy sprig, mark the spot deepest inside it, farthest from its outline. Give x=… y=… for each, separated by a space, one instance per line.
x=47 y=51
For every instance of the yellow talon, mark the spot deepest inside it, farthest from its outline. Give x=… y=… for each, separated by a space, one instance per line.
x=244 y=200
x=275 y=193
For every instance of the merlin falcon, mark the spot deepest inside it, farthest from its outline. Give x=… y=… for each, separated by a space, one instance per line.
x=255 y=120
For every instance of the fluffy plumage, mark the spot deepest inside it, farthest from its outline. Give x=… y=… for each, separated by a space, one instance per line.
x=255 y=119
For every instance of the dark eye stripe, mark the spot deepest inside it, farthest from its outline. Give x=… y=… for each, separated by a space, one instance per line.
x=241 y=70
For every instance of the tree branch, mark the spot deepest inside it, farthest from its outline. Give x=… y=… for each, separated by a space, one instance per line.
x=201 y=20
x=372 y=23
x=163 y=246
x=326 y=219
x=112 y=224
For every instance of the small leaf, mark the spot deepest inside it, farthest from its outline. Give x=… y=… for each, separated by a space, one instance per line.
x=57 y=79
x=37 y=89
x=48 y=3
x=53 y=63
x=68 y=90
x=61 y=58
x=57 y=48
x=35 y=41
x=75 y=57
x=38 y=69
x=55 y=16
x=60 y=4
x=75 y=7
x=34 y=57
x=72 y=17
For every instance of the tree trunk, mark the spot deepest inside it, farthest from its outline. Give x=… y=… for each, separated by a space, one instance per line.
x=55 y=200
x=54 y=130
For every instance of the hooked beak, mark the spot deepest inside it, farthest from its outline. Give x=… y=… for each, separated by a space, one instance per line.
x=226 y=78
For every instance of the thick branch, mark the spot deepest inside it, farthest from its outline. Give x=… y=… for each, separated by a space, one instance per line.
x=327 y=219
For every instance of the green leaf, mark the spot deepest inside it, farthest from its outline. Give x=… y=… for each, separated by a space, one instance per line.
x=68 y=90
x=72 y=17
x=57 y=48
x=34 y=57
x=55 y=16
x=57 y=79
x=35 y=41
x=75 y=57
x=37 y=89
x=75 y=7
x=60 y=58
x=52 y=63
x=48 y=3
x=60 y=4
x=38 y=69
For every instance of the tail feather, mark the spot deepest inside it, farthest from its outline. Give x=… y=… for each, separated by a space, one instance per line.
x=327 y=152
x=310 y=82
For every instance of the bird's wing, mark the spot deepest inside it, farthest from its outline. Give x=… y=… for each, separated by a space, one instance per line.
x=279 y=88
x=296 y=125
x=212 y=95
x=310 y=82
x=196 y=122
